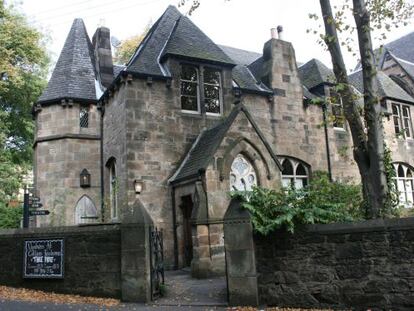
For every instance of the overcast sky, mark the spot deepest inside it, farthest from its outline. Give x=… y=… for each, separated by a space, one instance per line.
x=243 y=24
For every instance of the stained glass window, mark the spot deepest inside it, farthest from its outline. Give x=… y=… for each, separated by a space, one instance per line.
x=242 y=174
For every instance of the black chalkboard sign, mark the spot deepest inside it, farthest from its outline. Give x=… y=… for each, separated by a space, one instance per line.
x=43 y=258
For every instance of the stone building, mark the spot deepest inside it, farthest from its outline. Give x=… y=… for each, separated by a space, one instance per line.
x=183 y=123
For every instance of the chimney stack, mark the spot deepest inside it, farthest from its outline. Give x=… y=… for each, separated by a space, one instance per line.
x=101 y=42
x=273 y=33
x=280 y=32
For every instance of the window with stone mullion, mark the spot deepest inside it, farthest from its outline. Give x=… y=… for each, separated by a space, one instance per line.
x=189 y=88
x=212 y=85
x=402 y=120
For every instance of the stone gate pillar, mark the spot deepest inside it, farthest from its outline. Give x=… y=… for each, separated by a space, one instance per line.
x=240 y=256
x=135 y=254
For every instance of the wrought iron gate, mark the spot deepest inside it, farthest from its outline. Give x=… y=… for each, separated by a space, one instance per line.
x=156 y=262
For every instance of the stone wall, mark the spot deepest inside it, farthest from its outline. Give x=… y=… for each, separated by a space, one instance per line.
x=361 y=266
x=109 y=260
x=92 y=260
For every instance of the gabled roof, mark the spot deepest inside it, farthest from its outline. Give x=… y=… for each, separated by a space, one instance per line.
x=402 y=47
x=314 y=73
x=74 y=74
x=174 y=34
x=386 y=87
x=406 y=65
x=187 y=40
x=207 y=143
x=240 y=57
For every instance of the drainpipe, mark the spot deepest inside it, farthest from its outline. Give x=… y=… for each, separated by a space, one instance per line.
x=328 y=157
x=174 y=229
x=102 y=108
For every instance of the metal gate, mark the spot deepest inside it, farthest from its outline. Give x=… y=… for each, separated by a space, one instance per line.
x=157 y=262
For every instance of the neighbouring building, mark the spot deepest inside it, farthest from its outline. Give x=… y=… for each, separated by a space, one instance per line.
x=186 y=121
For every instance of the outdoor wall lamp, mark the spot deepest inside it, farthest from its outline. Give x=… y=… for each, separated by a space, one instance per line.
x=138 y=185
x=85 y=178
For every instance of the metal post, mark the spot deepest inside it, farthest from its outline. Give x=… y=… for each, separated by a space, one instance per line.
x=26 y=208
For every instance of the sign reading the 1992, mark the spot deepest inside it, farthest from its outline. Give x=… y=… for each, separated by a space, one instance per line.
x=43 y=258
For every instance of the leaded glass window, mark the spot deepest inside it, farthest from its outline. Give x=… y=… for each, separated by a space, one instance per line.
x=294 y=173
x=402 y=120
x=84 y=117
x=242 y=174
x=189 y=88
x=405 y=184
x=113 y=190
x=212 y=83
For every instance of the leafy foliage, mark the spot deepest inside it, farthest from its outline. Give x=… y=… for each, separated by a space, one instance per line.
x=10 y=217
x=128 y=46
x=23 y=70
x=390 y=208
x=321 y=202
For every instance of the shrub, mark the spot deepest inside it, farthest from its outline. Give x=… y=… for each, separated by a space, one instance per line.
x=10 y=217
x=320 y=202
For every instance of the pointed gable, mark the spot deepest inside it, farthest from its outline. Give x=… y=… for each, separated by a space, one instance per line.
x=174 y=34
x=314 y=73
x=74 y=73
x=386 y=87
x=188 y=41
x=207 y=143
x=146 y=58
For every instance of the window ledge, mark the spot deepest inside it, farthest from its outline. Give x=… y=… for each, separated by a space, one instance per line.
x=340 y=129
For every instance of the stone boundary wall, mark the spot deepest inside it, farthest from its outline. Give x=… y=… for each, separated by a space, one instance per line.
x=367 y=265
x=94 y=260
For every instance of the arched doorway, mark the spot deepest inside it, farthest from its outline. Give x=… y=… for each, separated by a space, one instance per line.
x=85 y=211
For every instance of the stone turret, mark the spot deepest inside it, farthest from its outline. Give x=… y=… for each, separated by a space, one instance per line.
x=67 y=136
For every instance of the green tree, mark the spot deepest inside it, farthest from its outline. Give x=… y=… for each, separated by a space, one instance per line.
x=128 y=46
x=23 y=70
x=366 y=127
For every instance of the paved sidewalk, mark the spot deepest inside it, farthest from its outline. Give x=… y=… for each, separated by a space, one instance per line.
x=182 y=289
x=13 y=305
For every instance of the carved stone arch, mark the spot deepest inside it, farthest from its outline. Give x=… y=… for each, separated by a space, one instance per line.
x=85 y=211
x=253 y=154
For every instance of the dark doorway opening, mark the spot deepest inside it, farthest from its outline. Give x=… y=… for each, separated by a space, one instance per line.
x=186 y=209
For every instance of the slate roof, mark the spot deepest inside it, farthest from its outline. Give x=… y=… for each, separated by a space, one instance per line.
x=118 y=69
x=207 y=143
x=387 y=88
x=74 y=74
x=406 y=65
x=189 y=41
x=314 y=73
x=240 y=57
x=402 y=47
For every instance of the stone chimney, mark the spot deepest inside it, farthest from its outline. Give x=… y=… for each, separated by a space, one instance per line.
x=279 y=71
x=103 y=55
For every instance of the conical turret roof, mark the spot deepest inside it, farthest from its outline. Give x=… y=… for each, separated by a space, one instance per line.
x=74 y=74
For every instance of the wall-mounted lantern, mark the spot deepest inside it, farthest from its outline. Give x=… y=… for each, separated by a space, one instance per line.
x=85 y=178
x=138 y=186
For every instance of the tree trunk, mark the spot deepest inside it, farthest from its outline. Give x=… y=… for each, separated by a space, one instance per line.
x=368 y=149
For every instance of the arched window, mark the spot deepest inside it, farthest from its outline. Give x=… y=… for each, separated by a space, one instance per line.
x=113 y=189
x=405 y=183
x=242 y=174
x=294 y=174
x=85 y=211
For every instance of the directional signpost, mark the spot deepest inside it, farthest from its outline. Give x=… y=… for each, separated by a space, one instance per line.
x=39 y=213
x=30 y=207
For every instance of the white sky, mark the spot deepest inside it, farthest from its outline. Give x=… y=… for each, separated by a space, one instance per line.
x=243 y=24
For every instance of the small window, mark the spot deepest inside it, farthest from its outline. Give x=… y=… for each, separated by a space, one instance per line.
x=212 y=90
x=402 y=120
x=84 y=117
x=337 y=111
x=294 y=174
x=405 y=184
x=113 y=190
x=189 y=88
